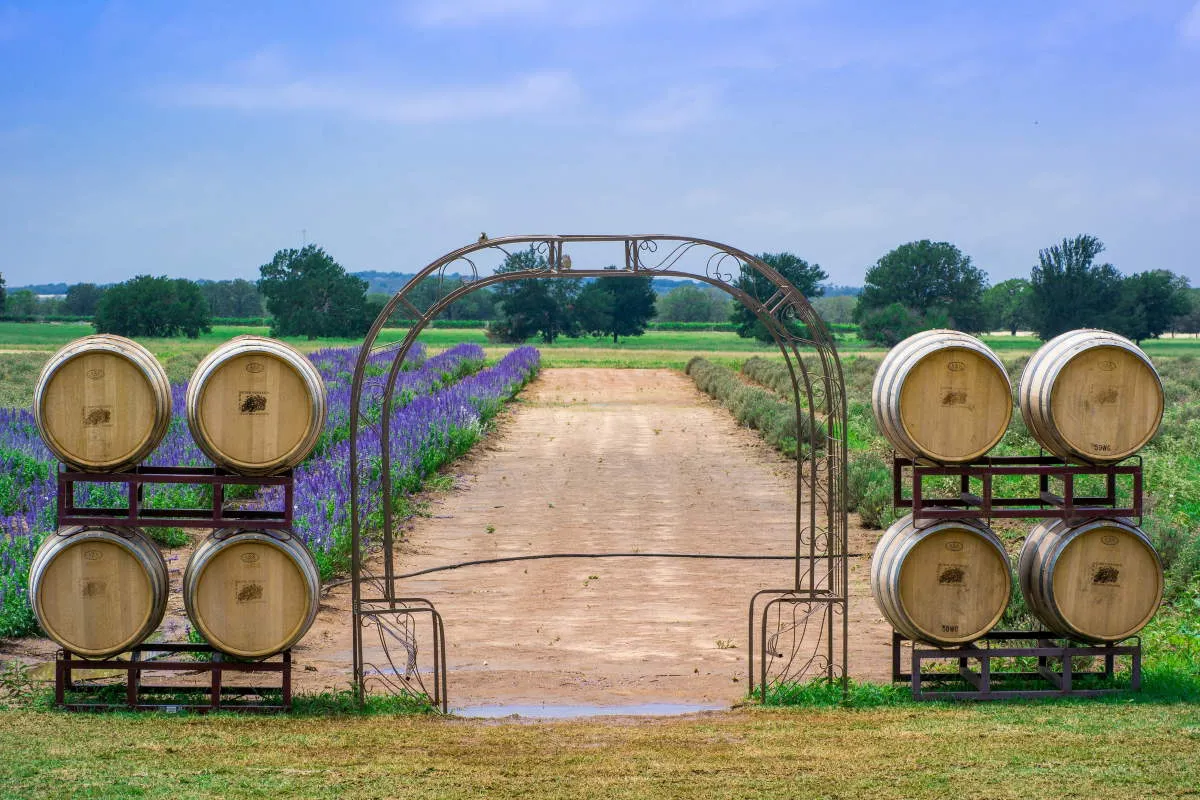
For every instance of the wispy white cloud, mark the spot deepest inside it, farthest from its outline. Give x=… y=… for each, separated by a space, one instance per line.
x=1189 y=26
x=268 y=90
x=678 y=109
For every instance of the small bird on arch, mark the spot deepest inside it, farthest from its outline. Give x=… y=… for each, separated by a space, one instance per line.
x=483 y=237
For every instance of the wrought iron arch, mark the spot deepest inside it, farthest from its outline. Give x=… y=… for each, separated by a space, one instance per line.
x=800 y=630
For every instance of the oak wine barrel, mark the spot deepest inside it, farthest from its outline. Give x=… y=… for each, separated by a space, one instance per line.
x=98 y=591
x=1097 y=582
x=946 y=584
x=1091 y=395
x=102 y=403
x=256 y=406
x=251 y=593
x=942 y=395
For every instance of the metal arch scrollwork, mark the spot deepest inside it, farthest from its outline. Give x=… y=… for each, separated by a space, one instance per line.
x=803 y=619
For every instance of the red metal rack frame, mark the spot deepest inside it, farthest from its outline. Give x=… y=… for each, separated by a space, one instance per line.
x=1044 y=646
x=136 y=692
x=1047 y=504
x=134 y=513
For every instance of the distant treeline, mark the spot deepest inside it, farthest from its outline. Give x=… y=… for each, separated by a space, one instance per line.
x=916 y=286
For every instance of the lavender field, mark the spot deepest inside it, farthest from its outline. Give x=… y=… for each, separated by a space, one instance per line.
x=441 y=406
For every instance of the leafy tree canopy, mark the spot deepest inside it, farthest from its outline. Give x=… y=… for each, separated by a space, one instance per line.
x=479 y=304
x=534 y=305
x=236 y=298
x=1007 y=305
x=931 y=279
x=3 y=294
x=804 y=276
x=309 y=294
x=1150 y=304
x=894 y=323
x=691 y=303
x=618 y=306
x=82 y=299
x=1069 y=290
x=836 y=309
x=149 y=306
x=22 y=303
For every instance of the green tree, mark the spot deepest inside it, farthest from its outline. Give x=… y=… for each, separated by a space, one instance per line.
x=149 y=306
x=1189 y=321
x=618 y=306
x=3 y=294
x=532 y=306
x=1150 y=304
x=930 y=279
x=894 y=323
x=836 y=309
x=690 y=303
x=1068 y=290
x=1007 y=305
x=22 y=304
x=804 y=276
x=238 y=298
x=82 y=299
x=309 y=294
x=479 y=304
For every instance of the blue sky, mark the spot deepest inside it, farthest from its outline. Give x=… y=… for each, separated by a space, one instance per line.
x=195 y=139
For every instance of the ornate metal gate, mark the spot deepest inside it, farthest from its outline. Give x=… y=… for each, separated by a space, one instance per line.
x=798 y=631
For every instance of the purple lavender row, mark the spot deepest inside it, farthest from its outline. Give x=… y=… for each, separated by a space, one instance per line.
x=428 y=432
x=28 y=467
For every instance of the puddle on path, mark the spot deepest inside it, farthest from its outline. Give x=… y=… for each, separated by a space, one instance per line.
x=546 y=711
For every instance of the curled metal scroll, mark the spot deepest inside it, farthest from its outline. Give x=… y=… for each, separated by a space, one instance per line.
x=802 y=630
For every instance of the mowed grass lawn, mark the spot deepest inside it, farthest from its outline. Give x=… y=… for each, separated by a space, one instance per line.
x=1093 y=750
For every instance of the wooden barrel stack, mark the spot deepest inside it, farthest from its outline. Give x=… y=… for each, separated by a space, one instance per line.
x=1087 y=396
x=102 y=404
x=1091 y=397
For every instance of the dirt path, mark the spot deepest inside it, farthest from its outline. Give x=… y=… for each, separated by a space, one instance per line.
x=607 y=460
x=589 y=461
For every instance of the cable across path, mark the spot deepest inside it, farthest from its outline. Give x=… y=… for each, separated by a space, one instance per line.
x=541 y=556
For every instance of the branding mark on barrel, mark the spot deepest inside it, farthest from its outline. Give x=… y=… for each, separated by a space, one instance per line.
x=956 y=366
x=1109 y=539
x=94 y=374
x=255 y=367
x=954 y=547
x=1107 y=396
x=252 y=402
x=1107 y=366
x=97 y=416
x=1101 y=447
x=951 y=575
x=949 y=629
x=93 y=588
x=248 y=592
x=92 y=554
x=249 y=558
x=954 y=397
x=1106 y=574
